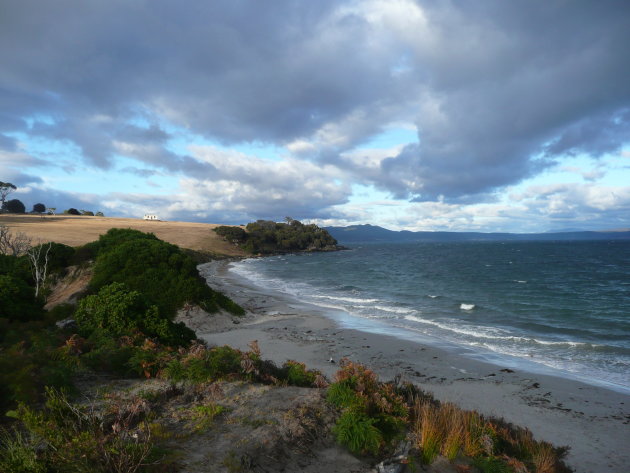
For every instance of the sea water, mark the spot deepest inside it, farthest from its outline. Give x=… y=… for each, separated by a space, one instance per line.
x=562 y=306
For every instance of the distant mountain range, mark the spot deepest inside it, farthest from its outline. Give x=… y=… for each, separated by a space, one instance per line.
x=373 y=233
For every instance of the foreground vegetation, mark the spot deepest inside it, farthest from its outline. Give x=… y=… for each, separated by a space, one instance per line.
x=376 y=417
x=123 y=328
x=267 y=237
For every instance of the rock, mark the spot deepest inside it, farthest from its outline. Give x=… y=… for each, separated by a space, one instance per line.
x=385 y=467
x=396 y=463
x=66 y=324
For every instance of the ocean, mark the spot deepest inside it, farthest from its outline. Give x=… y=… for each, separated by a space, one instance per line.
x=562 y=308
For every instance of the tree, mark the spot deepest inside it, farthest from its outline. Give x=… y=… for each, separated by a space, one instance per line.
x=100 y=214
x=5 y=189
x=13 y=245
x=17 y=299
x=39 y=208
x=38 y=257
x=14 y=206
x=72 y=211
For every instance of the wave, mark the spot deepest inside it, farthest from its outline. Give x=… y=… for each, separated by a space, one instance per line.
x=353 y=300
x=396 y=310
x=489 y=333
x=467 y=306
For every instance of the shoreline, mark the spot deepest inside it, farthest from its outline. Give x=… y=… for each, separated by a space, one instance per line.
x=593 y=420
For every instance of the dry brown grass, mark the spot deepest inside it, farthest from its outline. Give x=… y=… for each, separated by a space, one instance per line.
x=452 y=432
x=77 y=230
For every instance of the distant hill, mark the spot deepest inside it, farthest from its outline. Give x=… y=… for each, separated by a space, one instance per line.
x=373 y=233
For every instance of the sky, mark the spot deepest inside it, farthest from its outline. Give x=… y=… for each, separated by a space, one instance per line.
x=420 y=115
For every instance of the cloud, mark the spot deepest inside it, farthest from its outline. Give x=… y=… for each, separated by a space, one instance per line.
x=498 y=91
x=268 y=189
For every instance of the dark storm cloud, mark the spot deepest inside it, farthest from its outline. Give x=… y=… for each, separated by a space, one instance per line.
x=512 y=87
x=498 y=90
x=232 y=72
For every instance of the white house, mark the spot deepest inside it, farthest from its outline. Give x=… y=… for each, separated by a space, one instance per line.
x=150 y=217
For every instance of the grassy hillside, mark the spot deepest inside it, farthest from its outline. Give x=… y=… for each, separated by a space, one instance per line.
x=79 y=230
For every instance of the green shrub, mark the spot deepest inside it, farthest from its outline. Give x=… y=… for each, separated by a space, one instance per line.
x=120 y=311
x=358 y=392
x=18 y=267
x=298 y=375
x=29 y=360
x=59 y=255
x=341 y=395
x=85 y=253
x=77 y=439
x=357 y=432
x=18 y=454
x=117 y=236
x=491 y=465
x=60 y=312
x=162 y=272
x=105 y=353
x=201 y=365
x=232 y=234
x=17 y=300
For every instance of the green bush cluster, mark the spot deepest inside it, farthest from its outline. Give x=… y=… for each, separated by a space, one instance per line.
x=68 y=437
x=267 y=237
x=120 y=311
x=373 y=414
x=30 y=358
x=162 y=272
x=17 y=294
x=200 y=364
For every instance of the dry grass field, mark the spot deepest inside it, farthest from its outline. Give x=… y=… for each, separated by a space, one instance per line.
x=77 y=230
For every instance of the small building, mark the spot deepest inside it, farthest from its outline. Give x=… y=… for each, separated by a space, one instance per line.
x=150 y=217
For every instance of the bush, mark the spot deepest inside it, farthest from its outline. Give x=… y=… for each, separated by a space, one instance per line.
x=29 y=360
x=379 y=412
x=201 y=365
x=120 y=311
x=59 y=256
x=161 y=271
x=72 y=211
x=118 y=236
x=232 y=234
x=357 y=432
x=18 y=301
x=105 y=353
x=74 y=438
x=298 y=375
x=18 y=453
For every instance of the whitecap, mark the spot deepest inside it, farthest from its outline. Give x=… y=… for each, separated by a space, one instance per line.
x=354 y=300
x=396 y=310
x=467 y=306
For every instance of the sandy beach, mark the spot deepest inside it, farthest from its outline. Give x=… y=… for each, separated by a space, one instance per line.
x=593 y=421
